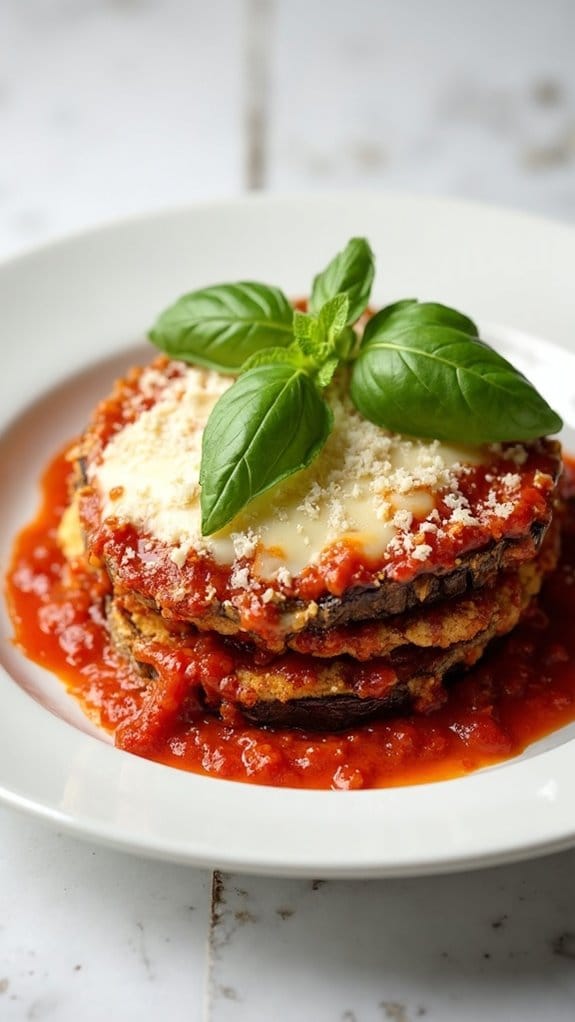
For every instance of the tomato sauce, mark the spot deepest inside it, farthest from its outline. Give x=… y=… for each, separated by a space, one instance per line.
x=523 y=689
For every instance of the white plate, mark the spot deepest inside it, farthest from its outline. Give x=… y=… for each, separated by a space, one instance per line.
x=71 y=315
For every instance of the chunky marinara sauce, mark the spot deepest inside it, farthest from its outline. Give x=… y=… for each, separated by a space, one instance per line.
x=522 y=689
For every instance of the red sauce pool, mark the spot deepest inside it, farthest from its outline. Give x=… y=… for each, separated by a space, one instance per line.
x=522 y=690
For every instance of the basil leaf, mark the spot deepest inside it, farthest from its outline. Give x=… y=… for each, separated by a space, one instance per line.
x=410 y=313
x=437 y=381
x=271 y=423
x=351 y=273
x=221 y=326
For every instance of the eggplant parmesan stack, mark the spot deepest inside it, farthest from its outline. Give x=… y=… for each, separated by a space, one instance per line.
x=359 y=585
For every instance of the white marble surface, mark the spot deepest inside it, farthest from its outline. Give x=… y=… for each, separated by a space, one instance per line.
x=497 y=944
x=109 y=107
x=84 y=930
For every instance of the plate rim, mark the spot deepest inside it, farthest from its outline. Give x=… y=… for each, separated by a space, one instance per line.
x=254 y=198
x=560 y=834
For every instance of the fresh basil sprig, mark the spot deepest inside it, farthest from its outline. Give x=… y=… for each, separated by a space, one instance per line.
x=423 y=370
x=273 y=420
x=420 y=368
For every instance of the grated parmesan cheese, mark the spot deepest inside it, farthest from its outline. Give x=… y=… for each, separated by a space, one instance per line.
x=367 y=485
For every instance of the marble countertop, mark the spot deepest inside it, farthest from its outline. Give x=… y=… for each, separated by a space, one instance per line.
x=87 y=933
x=112 y=107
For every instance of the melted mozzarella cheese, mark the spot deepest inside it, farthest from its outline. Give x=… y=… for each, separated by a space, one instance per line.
x=364 y=486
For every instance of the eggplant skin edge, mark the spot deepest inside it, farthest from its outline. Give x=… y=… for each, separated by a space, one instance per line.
x=335 y=713
x=475 y=571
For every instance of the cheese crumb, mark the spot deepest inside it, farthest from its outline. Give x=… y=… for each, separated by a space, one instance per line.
x=403 y=519
x=178 y=556
x=245 y=543
x=283 y=576
x=240 y=578
x=422 y=552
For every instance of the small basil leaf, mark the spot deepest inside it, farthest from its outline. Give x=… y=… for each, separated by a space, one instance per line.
x=332 y=319
x=303 y=324
x=436 y=381
x=271 y=423
x=409 y=313
x=316 y=336
x=351 y=272
x=269 y=356
x=325 y=373
x=305 y=328
x=221 y=326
